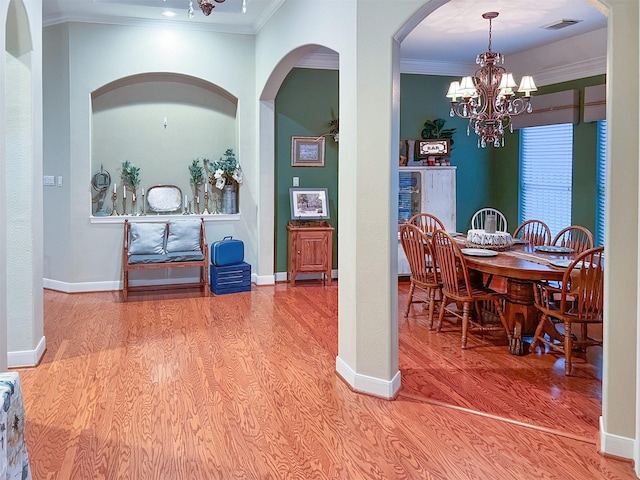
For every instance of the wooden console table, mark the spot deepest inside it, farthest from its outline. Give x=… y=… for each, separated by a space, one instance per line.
x=310 y=249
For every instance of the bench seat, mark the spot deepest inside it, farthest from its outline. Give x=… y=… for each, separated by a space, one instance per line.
x=149 y=245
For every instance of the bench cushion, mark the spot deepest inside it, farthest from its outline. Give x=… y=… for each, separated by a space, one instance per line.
x=146 y=238
x=184 y=236
x=166 y=258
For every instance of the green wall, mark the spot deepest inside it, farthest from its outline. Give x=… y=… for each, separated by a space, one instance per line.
x=485 y=177
x=303 y=108
x=505 y=165
x=422 y=97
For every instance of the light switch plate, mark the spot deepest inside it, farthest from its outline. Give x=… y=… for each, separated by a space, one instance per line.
x=296 y=181
x=48 y=181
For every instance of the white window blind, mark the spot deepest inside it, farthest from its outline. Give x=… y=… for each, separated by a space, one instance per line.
x=546 y=158
x=601 y=181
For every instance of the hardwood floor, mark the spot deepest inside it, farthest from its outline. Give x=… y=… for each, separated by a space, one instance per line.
x=243 y=386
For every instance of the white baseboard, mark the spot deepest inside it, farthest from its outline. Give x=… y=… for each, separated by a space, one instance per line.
x=263 y=279
x=614 y=444
x=81 y=286
x=366 y=384
x=27 y=358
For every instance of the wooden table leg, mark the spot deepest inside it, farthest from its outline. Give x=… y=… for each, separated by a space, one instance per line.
x=521 y=313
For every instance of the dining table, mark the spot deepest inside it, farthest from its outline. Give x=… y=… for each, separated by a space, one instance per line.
x=522 y=265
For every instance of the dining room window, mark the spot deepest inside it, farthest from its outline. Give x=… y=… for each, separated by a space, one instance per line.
x=546 y=158
x=601 y=179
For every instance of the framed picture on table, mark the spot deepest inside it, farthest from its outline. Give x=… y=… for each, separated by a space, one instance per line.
x=440 y=147
x=309 y=203
x=307 y=151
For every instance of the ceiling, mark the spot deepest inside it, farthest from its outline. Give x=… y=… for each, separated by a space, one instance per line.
x=455 y=32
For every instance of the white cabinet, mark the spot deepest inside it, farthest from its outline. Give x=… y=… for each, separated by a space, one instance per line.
x=426 y=190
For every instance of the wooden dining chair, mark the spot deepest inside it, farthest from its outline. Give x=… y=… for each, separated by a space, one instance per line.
x=457 y=288
x=576 y=237
x=427 y=222
x=423 y=277
x=536 y=232
x=479 y=218
x=580 y=302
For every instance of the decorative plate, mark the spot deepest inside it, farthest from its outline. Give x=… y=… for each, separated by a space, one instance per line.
x=479 y=252
x=164 y=198
x=564 y=263
x=553 y=249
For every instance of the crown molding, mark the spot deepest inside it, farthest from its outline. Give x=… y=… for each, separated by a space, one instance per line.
x=243 y=29
x=563 y=73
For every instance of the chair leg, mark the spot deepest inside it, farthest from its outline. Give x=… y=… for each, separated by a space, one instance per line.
x=441 y=314
x=568 y=346
x=409 y=299
x=534 y=342
x=465 y=323
x=432 y=301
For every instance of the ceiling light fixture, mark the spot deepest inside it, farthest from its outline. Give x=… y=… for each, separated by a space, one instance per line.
x=488 y=99
x=206 y=6
x=190 y=12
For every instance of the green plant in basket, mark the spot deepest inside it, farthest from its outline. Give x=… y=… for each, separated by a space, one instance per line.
x=225 y=170
x=130 y=174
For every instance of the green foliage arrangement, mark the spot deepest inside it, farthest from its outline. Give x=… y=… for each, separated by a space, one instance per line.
x=334 y=126
x=435 y=129
x=130 y=174
x=197 y=172
x=225 y=170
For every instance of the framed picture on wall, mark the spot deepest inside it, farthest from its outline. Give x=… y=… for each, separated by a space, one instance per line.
x=309 y=203
x=307 y=151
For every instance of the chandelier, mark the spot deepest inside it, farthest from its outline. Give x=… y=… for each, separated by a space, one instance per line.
x=488 y=99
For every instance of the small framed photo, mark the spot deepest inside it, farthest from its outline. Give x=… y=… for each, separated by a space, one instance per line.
x=440 y=147
x=309 y=203
x=307 y=151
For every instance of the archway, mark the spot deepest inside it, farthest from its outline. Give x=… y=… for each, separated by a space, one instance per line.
x=266 y=153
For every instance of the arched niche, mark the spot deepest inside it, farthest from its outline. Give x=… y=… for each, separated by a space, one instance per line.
x=160 y=122
x=18 y=34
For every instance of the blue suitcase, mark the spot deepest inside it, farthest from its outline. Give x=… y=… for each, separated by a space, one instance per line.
x=230 y=278
x=227 y=252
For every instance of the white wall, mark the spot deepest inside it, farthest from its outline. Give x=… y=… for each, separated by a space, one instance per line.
x=92 y=56
x=22 y=162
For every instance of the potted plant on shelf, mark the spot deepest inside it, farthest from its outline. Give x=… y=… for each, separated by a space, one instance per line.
x=334 y=127
x=131 y=179
x=197 y=178
x=226 y=175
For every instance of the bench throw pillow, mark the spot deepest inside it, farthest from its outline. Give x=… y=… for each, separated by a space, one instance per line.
x=146 y=238
x=184 y=236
